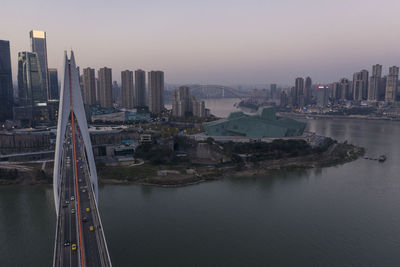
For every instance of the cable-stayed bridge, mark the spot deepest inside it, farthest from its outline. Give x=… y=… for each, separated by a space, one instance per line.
x=79 y=238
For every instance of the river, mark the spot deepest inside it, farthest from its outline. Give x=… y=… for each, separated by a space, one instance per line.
x=345 y=215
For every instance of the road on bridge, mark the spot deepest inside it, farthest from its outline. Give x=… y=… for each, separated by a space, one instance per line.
x=80 y=239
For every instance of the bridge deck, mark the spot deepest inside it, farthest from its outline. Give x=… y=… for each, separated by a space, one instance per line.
x=78 y=206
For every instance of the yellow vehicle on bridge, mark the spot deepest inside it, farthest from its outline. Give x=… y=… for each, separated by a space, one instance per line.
x=73 y=247
x=87 y=209
x=91 y=228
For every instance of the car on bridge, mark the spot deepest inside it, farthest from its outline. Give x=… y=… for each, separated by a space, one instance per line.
x=66 y=243
x=73 y=211
x=73 y=247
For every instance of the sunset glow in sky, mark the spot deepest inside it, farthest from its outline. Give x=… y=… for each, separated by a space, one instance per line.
x=225 y=42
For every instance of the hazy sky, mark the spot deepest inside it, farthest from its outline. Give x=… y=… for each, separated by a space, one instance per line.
x=217 y=41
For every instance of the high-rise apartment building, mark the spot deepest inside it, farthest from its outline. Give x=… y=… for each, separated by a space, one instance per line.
x=116 y=94
x=127 y=89
x=156 y=91
x=377 y=70
x=198 y=108
x=293 y=97
x=336 y=91
x=391 y=84
x=299 y=92
x=184 y=105
x=374 y=83
x=98 y=89
x=273 y=90
x=322 y=95
x=360 y=85
x=382 y=88
x=283 y=99
x=53 y=84
x=89 y=86
x=344 y=85
x=105 y=78
x=6 y=86
x=300 y=85
x=307 y=91
x=140 y=88
x=39 y=46
x=181 y=104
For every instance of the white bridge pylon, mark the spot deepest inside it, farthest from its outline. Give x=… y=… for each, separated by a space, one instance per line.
x=71 y=99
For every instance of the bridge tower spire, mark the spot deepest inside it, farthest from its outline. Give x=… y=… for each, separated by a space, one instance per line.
x=71 y=99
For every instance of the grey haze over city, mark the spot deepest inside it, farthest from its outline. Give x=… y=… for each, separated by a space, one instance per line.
x=223 y=42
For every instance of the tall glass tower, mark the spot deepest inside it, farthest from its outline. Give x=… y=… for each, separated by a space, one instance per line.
x=53 y=84
x=6 y=87
x=30 y=83
x=38 y=44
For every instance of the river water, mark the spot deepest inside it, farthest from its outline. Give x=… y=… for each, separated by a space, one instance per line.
x=346 y=215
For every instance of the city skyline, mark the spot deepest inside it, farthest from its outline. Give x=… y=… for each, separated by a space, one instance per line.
x=240 y=43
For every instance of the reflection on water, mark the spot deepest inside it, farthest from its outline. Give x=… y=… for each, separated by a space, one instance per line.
x=221 y=107
x=338 y=216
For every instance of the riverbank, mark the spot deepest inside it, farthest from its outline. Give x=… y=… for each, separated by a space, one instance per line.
x=261 y=161
x=19 y=173
x=189 y=174
x=346 y=117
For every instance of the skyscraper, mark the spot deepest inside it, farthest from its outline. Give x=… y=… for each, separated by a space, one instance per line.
x=33 y=108
x=53 y=84
x=181 y=104
x=198 y=108
x=273 y=89
x=307 y=91
x=116 y=94
x=322 y=95
x=345 y=89
x=38 y=45
x=391 y=84
x=30 y=83
x=127 y=88
x=299 y=92
x=6 y=87
x=360 y=85
x=89 y=86
x=184 y=105
x=98 y=88
x=300 y=85
x=156 y=91
x=105 y=78
x=283 y=99
x=374 y=83
x=382 y=88
x=140 y=88
x=293 y=97
x=336 y=91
